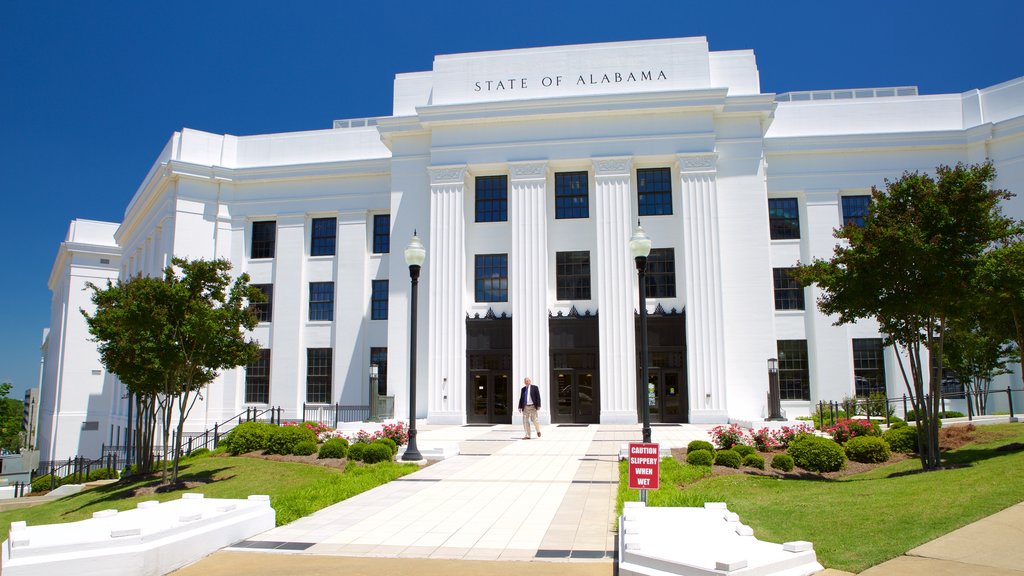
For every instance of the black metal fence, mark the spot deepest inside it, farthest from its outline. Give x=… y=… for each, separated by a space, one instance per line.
x=828 y=413
x=76 y=470
x=333 y=414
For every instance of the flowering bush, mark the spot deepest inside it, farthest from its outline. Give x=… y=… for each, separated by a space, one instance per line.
x=329 y=435
x=727 y=437
x=364 y=437
x=764 y=439
x=851 y=428
x=398 y=432
x=784 y=435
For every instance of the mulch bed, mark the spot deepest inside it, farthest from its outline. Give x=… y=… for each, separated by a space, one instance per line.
x=312 y=459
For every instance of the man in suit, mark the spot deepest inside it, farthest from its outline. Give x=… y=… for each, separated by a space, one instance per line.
x=529 y=403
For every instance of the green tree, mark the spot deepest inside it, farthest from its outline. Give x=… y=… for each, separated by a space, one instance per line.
x=10 y=419
x=977 y=355
x=910 y=266
x=168 y=338
x=1000 y=284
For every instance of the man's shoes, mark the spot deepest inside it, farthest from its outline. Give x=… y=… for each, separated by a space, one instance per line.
x=526 y=437
x=538 y=434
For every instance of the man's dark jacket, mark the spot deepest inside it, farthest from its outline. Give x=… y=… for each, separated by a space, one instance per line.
x=534 y=394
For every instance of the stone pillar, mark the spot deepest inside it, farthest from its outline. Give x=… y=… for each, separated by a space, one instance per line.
x=702 y=272
x=351 y=286
x=446 y=324
x=291 y=296
x=528 y=277
x=615 y=282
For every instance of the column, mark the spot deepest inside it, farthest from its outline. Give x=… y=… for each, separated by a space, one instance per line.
x=702 y=270
x=288 y=361
x=616 y=283
x=446 y=325
x=351 y=295
x=528 y=276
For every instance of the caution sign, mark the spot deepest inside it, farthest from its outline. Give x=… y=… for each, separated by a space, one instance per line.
x=644 y=464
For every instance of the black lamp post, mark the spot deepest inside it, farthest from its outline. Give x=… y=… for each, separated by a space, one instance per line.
x=414 y=257
x=374 y=378
x=640 y=248
x=774 y=395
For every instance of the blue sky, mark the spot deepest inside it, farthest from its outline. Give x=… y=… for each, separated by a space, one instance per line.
x=91 y=91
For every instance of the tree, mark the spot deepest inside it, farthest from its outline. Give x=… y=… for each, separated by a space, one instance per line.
x=977 y=355
x=10 y=419
x=1000 y=285
x=910 y=266
x=168 y=338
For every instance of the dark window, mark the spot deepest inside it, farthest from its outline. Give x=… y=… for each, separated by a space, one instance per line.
x=492 y=277
x=654 y=191
x=855 y=208
x=789 y=295
x=379 y=300
x=263 y=237
x=257 y=380
x=379 y=356
x=951 y=386
x=324 y=237
x=381 y=233
x=661 y=273
x=571 y=198
x=794 y=373
x=784 y=218
x=572 y=272
x=868 y=366
x=264 y=311
x=491 y=198
x=321 y=300
x=318 y=375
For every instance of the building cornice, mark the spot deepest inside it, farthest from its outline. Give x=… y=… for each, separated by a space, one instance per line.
x=831 y=144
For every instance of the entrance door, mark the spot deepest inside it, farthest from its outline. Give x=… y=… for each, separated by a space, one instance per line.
x=666 y=397
x=490 y=395
x=575 y=397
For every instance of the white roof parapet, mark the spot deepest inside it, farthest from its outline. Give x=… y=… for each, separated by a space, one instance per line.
x=846 y=94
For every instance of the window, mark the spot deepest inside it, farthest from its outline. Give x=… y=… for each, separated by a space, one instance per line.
x=263 y=237
x=323 y=237
x=855 y=208
x=571 y=199
x=868 y=366
x=661 y=273
x=379 y=356
x=492 y=277
x=321 y=301
x=318 y=375
x=789 y=295
x=784 y=218
x=492 y=198
x=951 y=386
x=379 y=300
x=572 y=272
x=794 y=373
x=257 y=379
x=264 y=311
x=381 y=233
x=654 y=191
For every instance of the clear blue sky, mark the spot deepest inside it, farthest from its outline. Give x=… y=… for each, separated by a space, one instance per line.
x=91 y=91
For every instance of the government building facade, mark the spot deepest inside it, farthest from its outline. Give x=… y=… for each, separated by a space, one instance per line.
x=524 y=173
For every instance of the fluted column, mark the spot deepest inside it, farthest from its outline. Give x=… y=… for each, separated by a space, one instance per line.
x=615 y=281
x=446 y=325
x=705 y=343
x=528 y=276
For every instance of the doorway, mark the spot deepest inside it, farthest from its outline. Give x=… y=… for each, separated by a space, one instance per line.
x=489 y=370
x=575 y=379
x=667 y=394
x=489 y=396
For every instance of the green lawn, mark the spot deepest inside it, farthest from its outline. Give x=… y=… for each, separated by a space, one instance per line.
x=295 y=490
x=863 y=520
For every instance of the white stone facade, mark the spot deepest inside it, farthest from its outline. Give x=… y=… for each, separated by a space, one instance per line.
x=607 y=111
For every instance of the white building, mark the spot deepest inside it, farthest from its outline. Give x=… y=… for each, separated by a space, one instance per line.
x=524 y=173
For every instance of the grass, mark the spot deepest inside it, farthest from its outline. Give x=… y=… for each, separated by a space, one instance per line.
x=295 y=490
x=859 y=521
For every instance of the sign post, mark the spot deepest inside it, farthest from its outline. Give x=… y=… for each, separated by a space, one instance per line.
x=644 y=467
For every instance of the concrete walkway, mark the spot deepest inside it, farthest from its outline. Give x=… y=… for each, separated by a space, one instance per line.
x=541 y=506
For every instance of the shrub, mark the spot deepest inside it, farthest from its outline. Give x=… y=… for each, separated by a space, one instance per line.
x=912 y=415
x=754 y=461
x=846 y=429
x=726 y=437
x=101 y=474
x=783 y=462
x=764 y=439
x=877 y=404
x=700 y=445
x=284 y=439
x=700 y=457
x=249 y=437
x=390 y=444
x=898 y=424
x=785 y=434
x=357 y=451
x=199 y=452
x=42 y=483
x=397 y=432
x=304 y=448
x=816 y=454
x=728 y=458
x=334 y=448
x=902 y=439
x=377 y=452
x=743 y=450
x=364 y=437
x=868 y=449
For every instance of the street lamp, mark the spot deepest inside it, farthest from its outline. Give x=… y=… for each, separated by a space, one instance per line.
x=774 y=395
x=374 y=378
x=414 y=257
x=640 y=248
